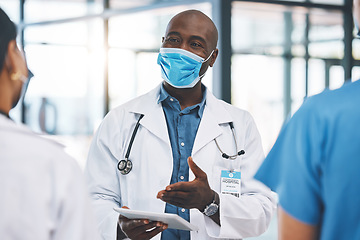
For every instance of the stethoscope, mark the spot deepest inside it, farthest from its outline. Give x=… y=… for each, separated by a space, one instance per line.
x=231 y=157
x=238 y=153
x=126 y=165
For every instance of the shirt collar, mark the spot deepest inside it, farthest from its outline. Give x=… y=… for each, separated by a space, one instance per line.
x=165 y=95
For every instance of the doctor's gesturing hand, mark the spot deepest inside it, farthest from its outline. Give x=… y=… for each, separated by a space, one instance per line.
x=195 y=194
x=140 y=228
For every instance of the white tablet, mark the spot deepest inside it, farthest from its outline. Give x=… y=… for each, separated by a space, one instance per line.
x=173 y=220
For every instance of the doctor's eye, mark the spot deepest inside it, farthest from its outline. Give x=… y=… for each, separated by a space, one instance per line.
x=196 y=44
x=172 y=40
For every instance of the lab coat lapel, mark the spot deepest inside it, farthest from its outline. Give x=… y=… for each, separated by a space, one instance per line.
x=209 y=128
x=154 y=117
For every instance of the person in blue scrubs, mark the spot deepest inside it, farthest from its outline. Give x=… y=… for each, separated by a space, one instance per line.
x=314 y=166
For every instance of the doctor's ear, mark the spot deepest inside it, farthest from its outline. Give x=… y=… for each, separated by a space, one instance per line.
x=213 y=57
x=10 y=58
x=162 y=39
x=15 y=61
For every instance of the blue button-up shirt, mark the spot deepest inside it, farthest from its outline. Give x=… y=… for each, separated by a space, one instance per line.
x=182 y=127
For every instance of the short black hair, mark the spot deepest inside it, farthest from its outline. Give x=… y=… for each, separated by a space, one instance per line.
x=7 y=33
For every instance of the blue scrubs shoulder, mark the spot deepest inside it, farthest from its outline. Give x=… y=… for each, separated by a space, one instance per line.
x=314 y=165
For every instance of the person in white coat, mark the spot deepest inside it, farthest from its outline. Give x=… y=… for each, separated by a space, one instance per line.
x=43 y=194
x=184 y=151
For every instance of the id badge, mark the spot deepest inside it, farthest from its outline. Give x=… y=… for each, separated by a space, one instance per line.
x=231 y=182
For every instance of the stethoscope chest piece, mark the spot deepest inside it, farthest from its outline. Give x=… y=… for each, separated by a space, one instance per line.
x=238 y=153
x=125 y=166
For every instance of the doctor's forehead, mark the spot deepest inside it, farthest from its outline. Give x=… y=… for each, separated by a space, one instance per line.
x=195 y=24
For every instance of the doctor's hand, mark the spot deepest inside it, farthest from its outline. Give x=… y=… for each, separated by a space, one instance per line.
x=194 y=194
x=140 y=228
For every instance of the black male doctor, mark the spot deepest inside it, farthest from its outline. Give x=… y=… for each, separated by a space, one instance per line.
x=192 y=154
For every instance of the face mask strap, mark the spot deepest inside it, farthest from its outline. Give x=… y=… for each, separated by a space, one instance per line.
x=205 y=62
x=200 y=77
x=208 y=56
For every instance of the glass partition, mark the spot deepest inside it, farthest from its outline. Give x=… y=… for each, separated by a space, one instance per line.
x=334 y=2
x=50 y=10
x=257 y=86
x=271 y=75
x=257 y=65
x=66 y=97
x=12 y=9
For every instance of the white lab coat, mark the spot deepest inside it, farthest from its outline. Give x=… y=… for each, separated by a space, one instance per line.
x=43 y=194
x=151 y=156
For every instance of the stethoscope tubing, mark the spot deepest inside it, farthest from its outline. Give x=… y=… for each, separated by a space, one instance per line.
x=230 y=157
x=238 y=153
x=125 y=165
x=133 y=137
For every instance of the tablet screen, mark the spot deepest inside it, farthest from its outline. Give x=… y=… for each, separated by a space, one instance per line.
x=173 y=220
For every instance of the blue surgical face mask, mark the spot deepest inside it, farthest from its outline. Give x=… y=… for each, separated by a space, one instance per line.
x=180 y=68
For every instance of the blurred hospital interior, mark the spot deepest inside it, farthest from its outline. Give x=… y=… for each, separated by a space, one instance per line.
x=89 y=56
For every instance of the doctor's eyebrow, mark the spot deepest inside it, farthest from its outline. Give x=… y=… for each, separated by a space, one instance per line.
x=173 y=33
x=193 y=37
